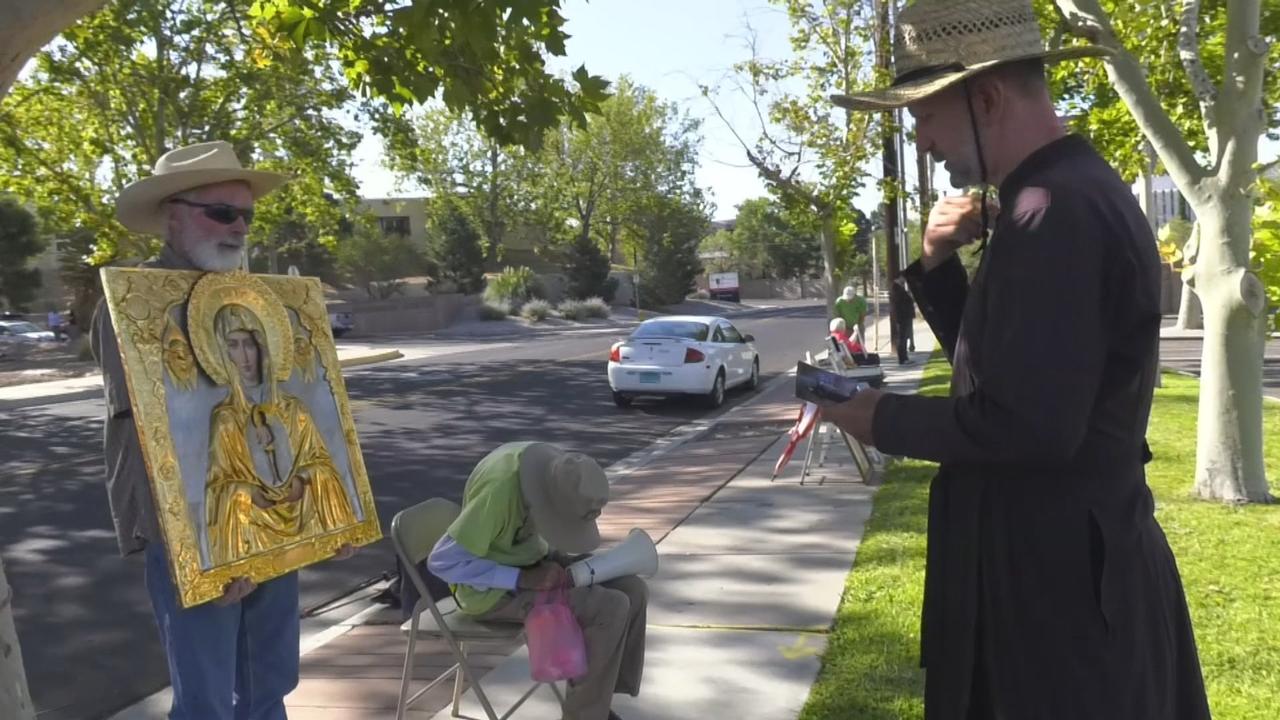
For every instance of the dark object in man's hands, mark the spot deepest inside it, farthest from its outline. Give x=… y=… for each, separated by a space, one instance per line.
x=823 y=386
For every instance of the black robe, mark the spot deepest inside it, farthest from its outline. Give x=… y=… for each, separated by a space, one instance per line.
x=1044 y=555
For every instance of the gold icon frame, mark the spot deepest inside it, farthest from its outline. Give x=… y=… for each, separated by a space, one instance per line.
x=142 y=304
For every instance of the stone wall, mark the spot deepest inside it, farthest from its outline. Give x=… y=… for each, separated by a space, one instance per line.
x=397 y=315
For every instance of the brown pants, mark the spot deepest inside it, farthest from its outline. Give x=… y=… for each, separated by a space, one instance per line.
x=612 y=616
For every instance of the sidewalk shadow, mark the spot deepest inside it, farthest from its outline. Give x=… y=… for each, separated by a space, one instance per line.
x=79 y=608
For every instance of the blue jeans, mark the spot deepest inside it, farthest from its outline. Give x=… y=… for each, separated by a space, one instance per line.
x=227 y=663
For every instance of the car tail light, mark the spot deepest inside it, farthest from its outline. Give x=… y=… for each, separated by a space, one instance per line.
x=615 y=355
x=693 y=356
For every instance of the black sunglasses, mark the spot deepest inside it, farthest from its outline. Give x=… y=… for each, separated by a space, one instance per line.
x=219 y=212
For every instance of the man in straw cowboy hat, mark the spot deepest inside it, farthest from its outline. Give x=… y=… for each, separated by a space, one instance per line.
x=525 y=506
x=1050 y=591
x=236 y=657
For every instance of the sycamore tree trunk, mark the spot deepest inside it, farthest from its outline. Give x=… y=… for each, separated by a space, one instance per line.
x=827 y=236
x=26 y=26
x=1229 y=452
x=1229 y=464
x=15 y=700
x=1190 y=317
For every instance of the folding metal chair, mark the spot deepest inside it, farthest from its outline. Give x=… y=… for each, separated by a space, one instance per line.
x=821 y=436
x=414 y=532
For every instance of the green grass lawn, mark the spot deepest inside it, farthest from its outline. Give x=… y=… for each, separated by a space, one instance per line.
x=1229 y=558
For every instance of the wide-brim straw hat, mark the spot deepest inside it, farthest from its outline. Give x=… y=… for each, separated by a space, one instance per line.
x=140 y=205
x=564 y=492
x=938 y=43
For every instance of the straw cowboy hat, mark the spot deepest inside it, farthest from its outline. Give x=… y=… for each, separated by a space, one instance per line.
x=938 y=43
x=140 y=205
x=565 y=492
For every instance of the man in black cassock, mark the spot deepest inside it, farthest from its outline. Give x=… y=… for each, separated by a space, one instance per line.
x=1050 y=590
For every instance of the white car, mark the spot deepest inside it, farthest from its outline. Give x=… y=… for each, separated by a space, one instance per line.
x=23 y=331
x=683 y=355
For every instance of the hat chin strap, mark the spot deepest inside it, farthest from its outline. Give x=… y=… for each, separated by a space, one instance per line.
x=982 y=164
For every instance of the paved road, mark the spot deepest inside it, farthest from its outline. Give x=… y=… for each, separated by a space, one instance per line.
x=1184 y=354
x=82 y=613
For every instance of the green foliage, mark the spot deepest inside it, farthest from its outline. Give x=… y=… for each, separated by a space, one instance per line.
x=602 y=179
x=725 y=242
x=485 y=59
x=1172 y=238
x=786 y=247
x=376 y=261
x=514 y=286
x=494 y=311
x=596 y=307
x=1150 y=32
x=588 y=268
x=536 y=310
x=853 y=248
x=445 y=154
x=455 y=247
x=670 y=261
x=1266 y=244
x=811 y=154
x=141 y=77
x=19 y=242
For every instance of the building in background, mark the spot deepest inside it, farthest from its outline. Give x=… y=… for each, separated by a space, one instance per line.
x=405 y=216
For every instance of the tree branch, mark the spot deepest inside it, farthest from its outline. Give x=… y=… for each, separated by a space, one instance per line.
x=1189 y=53
x=1243 y=117
x=1086 y=19
x=29 y=25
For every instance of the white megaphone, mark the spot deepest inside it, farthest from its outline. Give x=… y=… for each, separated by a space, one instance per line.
x=637 y=555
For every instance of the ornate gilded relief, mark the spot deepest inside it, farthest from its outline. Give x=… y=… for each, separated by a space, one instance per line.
x=244 y=422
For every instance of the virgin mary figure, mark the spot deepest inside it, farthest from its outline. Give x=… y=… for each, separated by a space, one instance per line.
x=271 y=479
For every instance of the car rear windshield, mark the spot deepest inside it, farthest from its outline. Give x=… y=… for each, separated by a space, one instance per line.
x=672 y=329
x=22 y=327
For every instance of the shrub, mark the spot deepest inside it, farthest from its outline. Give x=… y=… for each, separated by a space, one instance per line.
x=609 y=290
x=588 y=268
x=494 y=311
x=595 y=307
x=573 y=310
x=536 y=310
x=455 y=248
x=700 y=295
x=514 y=286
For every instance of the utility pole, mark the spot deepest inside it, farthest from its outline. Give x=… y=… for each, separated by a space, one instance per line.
x=924 y=176
x=889 y=206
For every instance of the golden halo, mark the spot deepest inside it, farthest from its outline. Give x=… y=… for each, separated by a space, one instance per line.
x=215 y=291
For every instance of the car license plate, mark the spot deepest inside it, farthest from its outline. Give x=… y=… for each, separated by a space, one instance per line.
x=650 y=378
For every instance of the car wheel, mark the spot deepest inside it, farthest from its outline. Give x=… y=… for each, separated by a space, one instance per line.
x=715 y=398
x=754 y=382
x=622 y=400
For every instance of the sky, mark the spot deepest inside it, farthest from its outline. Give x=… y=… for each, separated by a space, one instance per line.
x=672 y=47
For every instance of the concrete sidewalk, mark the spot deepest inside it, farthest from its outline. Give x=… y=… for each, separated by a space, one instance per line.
x=751 y=576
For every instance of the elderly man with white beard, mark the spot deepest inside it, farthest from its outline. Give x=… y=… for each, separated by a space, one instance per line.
x=236 y=657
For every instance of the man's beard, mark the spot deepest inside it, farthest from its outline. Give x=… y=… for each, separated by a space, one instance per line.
x=209 y=255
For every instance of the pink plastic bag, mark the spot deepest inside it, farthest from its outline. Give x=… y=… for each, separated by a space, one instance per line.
x=556 y=648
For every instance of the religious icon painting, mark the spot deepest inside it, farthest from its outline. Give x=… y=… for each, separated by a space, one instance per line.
x=244 y=422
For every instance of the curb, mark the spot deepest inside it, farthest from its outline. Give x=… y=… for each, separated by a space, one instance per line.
x=370 y=359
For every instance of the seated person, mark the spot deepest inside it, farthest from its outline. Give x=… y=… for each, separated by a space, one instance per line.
x=525 y=505
x=840 y=331
x=856 y=356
